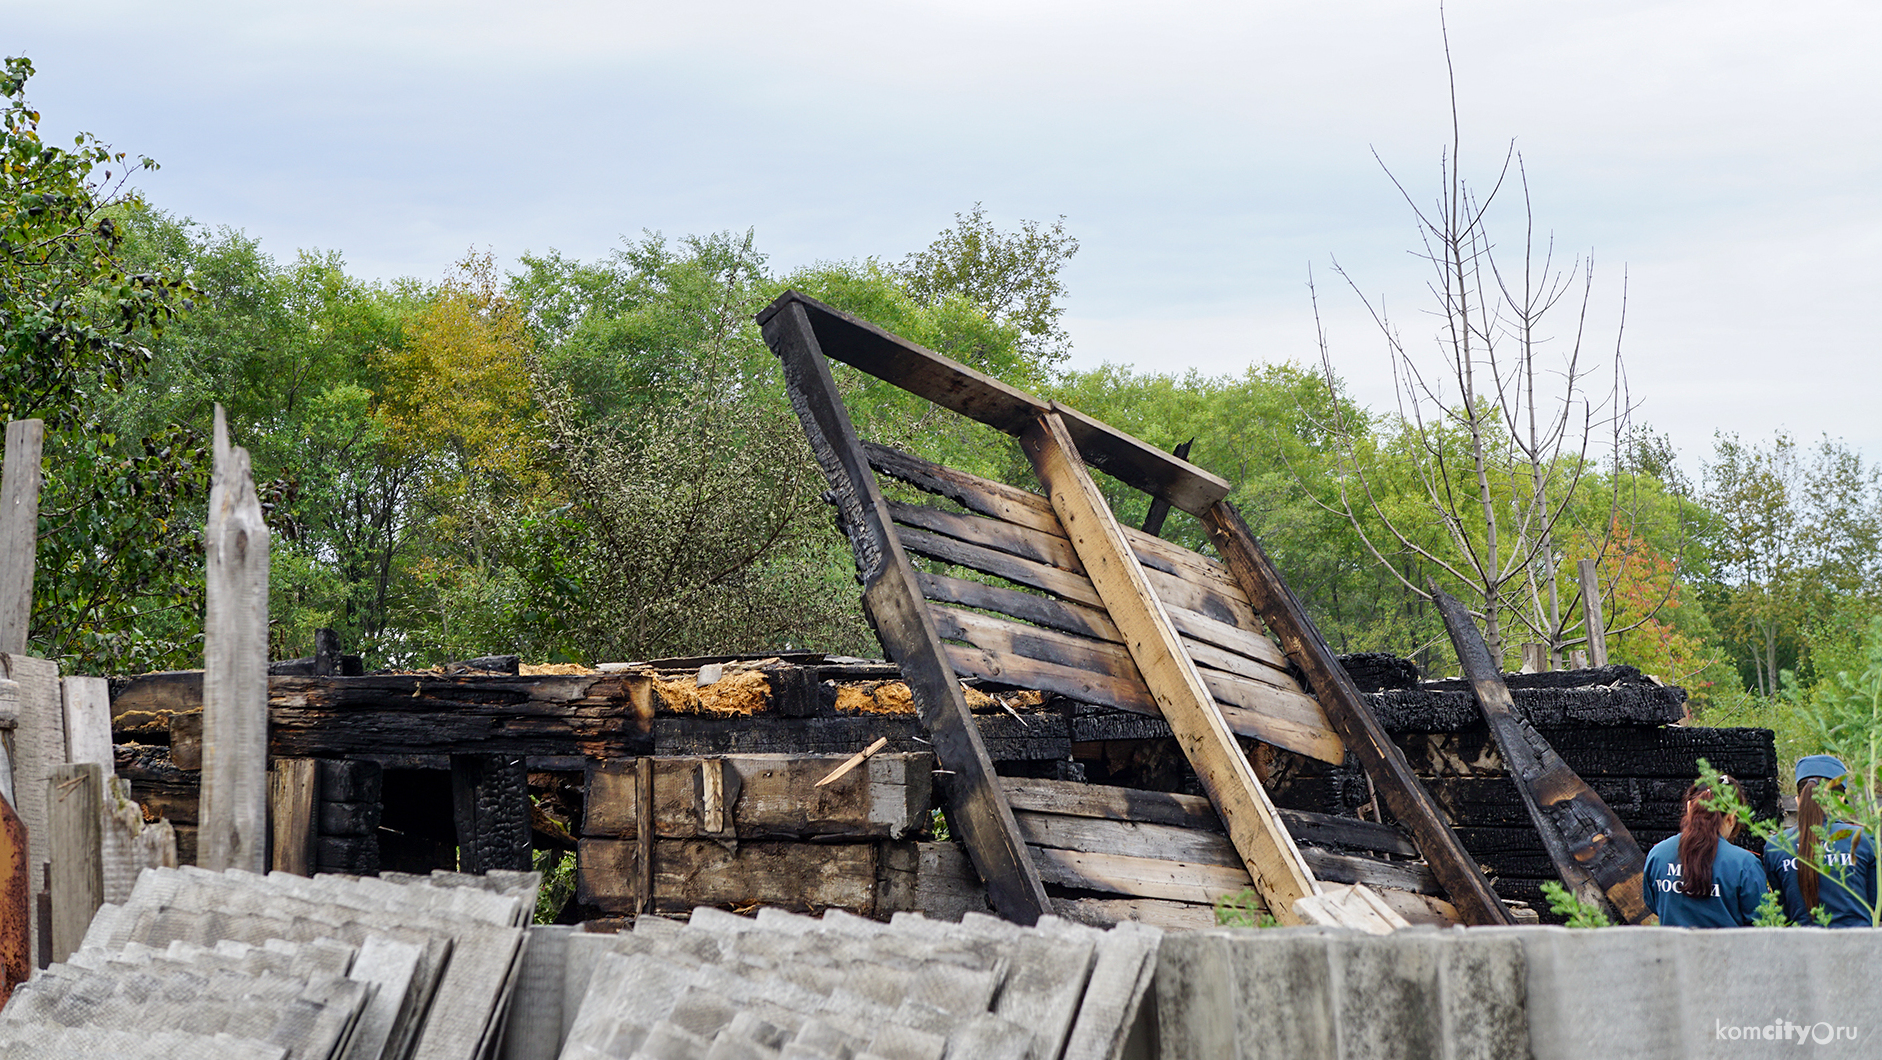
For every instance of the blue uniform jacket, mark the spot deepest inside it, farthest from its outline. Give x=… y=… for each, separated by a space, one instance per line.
x=1738 y=886
x=1852 y=876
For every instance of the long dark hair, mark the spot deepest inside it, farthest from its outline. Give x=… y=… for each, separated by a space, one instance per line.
x=1809 y=819
x=1699 y=833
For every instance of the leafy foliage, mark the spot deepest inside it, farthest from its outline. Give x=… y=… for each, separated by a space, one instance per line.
x=1579 y=914
x=1243 y=909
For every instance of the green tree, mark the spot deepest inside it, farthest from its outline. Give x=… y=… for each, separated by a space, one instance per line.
x=75 y=326
x=1012 y=276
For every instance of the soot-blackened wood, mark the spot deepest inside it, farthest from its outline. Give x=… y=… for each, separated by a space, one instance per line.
x=1160 y=508
x=600 y=715
x=893 y=603
x=1593 y=851
x=326 y=653
x=958 y=388
x=1350 y=716
x=490 y=806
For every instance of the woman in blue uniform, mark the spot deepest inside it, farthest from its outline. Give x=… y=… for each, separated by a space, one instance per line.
x=1698 y=878
x=1847 y=892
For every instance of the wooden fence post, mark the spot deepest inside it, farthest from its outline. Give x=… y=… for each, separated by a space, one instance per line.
x=19 y=531
x=293 y=801
x=38 y=750
x=75 y=802
x=234 y=830
x=1591 y=612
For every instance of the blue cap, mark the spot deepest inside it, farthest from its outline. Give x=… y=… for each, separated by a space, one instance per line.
x=1828 y=767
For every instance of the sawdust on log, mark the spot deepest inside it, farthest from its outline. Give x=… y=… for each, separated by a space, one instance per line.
x=893 y=697
x=547 y=669
x=743 y=692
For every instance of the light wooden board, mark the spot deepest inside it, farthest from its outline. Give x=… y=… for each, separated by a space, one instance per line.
x=293 y=800
x=88 y=721
x=1178 y=881
x=1094 y=835
x=234 y=831
x=75 y=810
x=1187 y=705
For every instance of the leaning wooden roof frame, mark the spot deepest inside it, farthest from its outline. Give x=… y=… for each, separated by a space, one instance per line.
x=1118 y=602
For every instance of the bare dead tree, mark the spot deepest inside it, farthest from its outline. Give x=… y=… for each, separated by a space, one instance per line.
x=1501 y=424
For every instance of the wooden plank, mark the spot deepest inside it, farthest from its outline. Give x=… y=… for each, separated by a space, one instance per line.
x=235 y=667
x=1276 y=716
x=1187 y=705
x=1353 y=868
x=1141 y=465
x=1035 y=642
x=994 y=499
x=293 y=800
x=1071 y=681
x=643 y=836
x=88 y=720
x=1096 y=835
x=1591 y=849
x=892 y=601
x=38 y=750
x=1423 y=908
x=1178 y=881
x=979 y=530
x=1200 y=627
x=1027 y=607
x=1352 y=718
x=805 y=877
x=75 y=808
x=1151 y=912
x=186 y=740
x=1055 y=580
x=768 y=796
x=19 y=531
x=1071 y=798
x=1591 y=612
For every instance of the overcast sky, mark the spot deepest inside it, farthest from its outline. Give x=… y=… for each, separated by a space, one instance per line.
x=1727 y=155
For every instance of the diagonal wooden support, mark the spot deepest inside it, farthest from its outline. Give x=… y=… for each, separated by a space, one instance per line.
x=1349 y=715
x=1592 y=850
x=892 y=600
x=1279 y=871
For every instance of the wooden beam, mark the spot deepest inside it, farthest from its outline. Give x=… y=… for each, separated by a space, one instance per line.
x=293 y=800
x=1160 y=508
x=75 y=804
x=235 y=667
x=979 y=396
x=893 y=603
x=1591 y=612
x=19 y=531
x=1353 y=719
x=1187 y=705
x=1592 y=851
